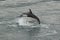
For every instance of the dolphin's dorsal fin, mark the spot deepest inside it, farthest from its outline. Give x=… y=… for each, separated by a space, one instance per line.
x=30 y=11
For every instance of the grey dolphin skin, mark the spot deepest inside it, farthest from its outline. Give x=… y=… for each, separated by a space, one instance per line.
x=30 y=14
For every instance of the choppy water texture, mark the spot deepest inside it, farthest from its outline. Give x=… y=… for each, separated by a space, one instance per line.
x=48 y=12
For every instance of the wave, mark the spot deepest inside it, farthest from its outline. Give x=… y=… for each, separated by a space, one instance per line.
x=23 y=4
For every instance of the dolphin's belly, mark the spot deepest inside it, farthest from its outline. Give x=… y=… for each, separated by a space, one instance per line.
x=28 y=21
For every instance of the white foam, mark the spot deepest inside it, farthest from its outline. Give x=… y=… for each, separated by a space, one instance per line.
x=27 y=21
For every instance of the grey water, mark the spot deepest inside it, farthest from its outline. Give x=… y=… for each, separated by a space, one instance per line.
x=48 y=12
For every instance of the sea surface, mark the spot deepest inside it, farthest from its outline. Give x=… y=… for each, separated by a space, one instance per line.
x=48 y=11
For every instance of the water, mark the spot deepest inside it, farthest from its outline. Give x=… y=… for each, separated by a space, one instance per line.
x=47 y=11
